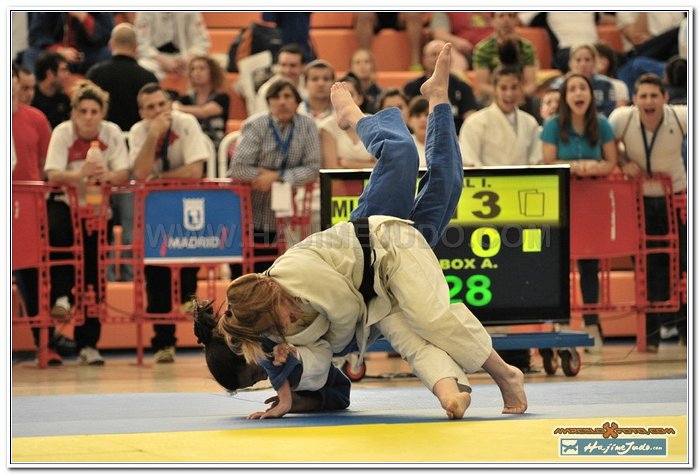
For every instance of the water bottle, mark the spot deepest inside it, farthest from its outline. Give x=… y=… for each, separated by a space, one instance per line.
x=93 y=190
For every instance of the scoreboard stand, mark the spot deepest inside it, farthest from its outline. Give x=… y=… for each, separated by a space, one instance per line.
x=558 y=350
x=505 y=254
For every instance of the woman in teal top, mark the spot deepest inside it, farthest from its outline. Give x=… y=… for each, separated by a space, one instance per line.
x=578 y=135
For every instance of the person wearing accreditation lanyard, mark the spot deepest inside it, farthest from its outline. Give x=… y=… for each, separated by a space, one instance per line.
x=66 y=163
x=278 y=146
x=166 y=144
x=652 y=132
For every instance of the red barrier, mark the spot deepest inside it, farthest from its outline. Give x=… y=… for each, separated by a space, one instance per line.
x=607 y=221
x=31 y=248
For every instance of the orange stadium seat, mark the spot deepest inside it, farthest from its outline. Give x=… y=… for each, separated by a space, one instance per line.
x=540 y=39
x=230 y=19
x=336 y=45
x=221 y=39
x=611 y=35
x=332 y=20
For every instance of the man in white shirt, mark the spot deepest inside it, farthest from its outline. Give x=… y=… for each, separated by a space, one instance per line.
x=166 y=144
x=290 y=65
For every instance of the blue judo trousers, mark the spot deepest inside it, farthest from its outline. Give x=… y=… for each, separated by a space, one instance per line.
x=391 y=191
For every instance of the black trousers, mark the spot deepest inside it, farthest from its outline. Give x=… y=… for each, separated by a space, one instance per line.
x=63 y=277
x=158 y=282
x=658 y=269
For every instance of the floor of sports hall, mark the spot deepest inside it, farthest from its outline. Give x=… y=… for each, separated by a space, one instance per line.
x=623 y=407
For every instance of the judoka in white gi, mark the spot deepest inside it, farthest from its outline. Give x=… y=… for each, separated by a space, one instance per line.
x=320 y=279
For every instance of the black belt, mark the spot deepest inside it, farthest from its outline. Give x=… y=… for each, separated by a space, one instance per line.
x=361 y=226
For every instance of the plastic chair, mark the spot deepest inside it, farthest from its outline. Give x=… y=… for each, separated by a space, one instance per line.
x=223 y=155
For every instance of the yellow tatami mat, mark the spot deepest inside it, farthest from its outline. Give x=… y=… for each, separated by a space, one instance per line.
x=515 y=439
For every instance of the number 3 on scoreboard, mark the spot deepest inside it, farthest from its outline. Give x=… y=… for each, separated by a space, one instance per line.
x=478 y=291
x=489 y=200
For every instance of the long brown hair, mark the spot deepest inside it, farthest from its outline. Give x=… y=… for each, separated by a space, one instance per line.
x=591 y=129
x=216 y=74
x=255 y=301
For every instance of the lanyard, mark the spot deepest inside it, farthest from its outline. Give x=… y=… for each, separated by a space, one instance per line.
x=283 y=145
x=649 y=146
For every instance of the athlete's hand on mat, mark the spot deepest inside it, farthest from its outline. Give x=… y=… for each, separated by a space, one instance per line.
x=281 y=404
x=281 y=352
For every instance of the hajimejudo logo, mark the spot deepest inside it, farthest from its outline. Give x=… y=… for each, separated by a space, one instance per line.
x=193 y=213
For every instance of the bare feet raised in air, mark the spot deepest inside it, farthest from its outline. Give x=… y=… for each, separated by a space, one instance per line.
x=436 y=87
x=346 y=111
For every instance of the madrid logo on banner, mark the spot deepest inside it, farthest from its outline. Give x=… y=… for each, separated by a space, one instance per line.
x=192 y=226
x=193 y=213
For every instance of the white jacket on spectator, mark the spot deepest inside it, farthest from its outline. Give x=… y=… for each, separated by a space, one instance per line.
x=185 y=30
x=488 y=138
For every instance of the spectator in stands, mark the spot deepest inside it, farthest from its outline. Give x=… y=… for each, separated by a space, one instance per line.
x=464 y=30
x=80 y=37
x=650 y=34
x=52 y=77
x=676 y=79
x=418 y=110
x=168 y=40
x=583 y=61
x=122 y=77
x=290 y=65
x=501 y=134
x=166 y=144
x=363 y=66
x=319 y=76
x=394 y=97
x=66 y=163
x=655 y=147
x=368 y=24
x=20 y=35
x=31 y=133
x=683 y=39
x=343 y=148
x=206 y=100
x=27 y=86
x=461 y=95
x=649 y=40
x=294 y=28
x=606 y=65
x=565 y=29
x=549 y=104
x=581 y=137
x=281 y=146
x=486 y=56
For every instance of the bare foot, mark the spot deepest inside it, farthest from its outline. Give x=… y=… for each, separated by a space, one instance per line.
x=435 y=88
x=455 y=405
x=346 y=111
x=513 y=392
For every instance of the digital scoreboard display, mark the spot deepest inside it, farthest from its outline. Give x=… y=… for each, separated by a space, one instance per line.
x=505 y=253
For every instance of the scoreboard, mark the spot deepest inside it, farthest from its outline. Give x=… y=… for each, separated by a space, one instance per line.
x=505 y=253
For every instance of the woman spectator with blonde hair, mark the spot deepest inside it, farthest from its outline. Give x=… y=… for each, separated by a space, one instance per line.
x=67 y=162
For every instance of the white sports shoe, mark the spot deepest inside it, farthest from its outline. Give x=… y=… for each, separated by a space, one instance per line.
x=61 y=308
x=90 y=356
x=165 y=355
